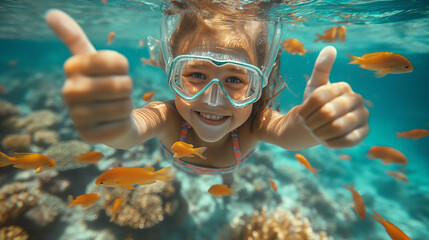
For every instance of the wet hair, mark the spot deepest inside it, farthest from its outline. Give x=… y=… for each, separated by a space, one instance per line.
x=203 y=22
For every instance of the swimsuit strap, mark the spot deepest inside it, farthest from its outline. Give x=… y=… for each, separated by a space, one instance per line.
x=184 y=131
x=236 y=145
x=234 y=136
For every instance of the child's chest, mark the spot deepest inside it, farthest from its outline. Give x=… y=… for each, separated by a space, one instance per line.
x=217 y=155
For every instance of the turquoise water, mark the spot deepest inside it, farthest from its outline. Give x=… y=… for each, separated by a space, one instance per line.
x=31 y=63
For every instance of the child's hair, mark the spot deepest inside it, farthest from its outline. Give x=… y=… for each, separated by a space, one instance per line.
x=201 y=25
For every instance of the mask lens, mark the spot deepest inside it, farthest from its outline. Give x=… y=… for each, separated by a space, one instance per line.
x=240 y=83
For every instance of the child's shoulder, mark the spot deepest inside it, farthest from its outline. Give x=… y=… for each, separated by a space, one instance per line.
x=172 y=121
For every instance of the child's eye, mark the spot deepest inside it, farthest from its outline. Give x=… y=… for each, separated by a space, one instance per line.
x=233 y=80
x=197 y=75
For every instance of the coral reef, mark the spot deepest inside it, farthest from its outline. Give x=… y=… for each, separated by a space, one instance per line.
x=37 y=120
x=62 y=153
x=16 y=199
x=13 y=233
x=45 y=137
x=17 y=142
x=279 y=225
x=147 y=206
x=8 y=109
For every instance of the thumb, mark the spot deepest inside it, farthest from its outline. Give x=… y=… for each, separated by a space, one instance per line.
x=322 y=69
x=69 y=31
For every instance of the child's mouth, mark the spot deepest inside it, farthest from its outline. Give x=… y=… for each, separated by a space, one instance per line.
x=212 y=119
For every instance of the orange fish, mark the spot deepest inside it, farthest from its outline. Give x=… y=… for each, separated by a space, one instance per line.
x=393 y=231
x=329 y=36
x=12 y=63
x=148 y=96
x=116 y=205
x=414 y=134
x=273 y=184
x=126 y=177
x=141 y=43
x=150 y=61
x=294 y=46
x=90 y=157
x=111 y=37
x=221 y=190
x=3 y=90
x=345 y=157
x=85 y=200
x=398 y=175
x=27 y=161
x=341 y=33
x=304 y=161
x=182 y=149
x=357 y=199
x=387 y=154
x=368 y=103
x=383 y=63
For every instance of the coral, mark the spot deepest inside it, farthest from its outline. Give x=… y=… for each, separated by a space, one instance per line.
x=13 y=233
x=8 y=109
x=46 y=137
x=147 y=206
x=16 y=199
x=37 y=120
x=62 y=153
x=17 y=142
x=279 y=225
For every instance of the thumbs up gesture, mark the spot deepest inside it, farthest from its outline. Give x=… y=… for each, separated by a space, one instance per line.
x=333 y=113
x=97 y=90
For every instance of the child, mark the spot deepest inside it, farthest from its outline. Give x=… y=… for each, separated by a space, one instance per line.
x=224 y=73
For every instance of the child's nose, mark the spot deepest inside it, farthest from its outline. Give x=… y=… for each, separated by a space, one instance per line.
x=214 y=95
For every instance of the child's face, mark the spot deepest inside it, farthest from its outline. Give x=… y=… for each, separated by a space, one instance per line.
x=212 y=123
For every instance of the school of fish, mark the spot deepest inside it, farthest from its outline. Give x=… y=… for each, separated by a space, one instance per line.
x=127 y=177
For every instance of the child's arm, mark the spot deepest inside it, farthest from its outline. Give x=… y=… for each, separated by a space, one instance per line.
x=97 y=91
x=331 y=114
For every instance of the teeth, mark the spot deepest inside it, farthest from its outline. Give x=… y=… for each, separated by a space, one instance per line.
x=210 y=116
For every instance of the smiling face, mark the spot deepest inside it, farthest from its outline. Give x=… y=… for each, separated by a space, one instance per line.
x=212 y=123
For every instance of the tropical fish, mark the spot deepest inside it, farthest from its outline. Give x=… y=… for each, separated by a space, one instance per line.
x=150 y=61
x=368 y=103
x=294 y=46
x=141 y=43
x=182 y=149
x=27 y=161
x=273 y=184
x=393 y=231
x=414 y=134
x=304 y=161
x=345 y=157
x=85 y=200
x=116 y=205
x=111 y=37
x=359 y=205
x=3 y=90
x=12 y=63
x=341 y=33
x=126 y=177
x=383 y=63
x=387 y=154
x=221 y=190
x=333 y=34
x=89 y=157
x=398 y=175
x=148 y=96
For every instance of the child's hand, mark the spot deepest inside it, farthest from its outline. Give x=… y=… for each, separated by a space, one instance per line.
x=97 y=89
x=333 y=113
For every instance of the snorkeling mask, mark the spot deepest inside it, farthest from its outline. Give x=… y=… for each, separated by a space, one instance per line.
x=215 y=72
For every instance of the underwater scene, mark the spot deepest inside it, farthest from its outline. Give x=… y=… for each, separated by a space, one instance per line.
x=376 y=190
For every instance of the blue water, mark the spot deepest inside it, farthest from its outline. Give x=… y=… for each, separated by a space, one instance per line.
x=400 y=103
